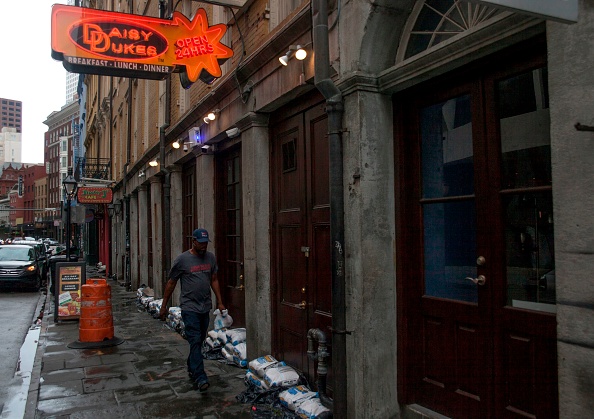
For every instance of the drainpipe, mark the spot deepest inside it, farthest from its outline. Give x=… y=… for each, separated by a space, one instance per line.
x=166 y=214
x=334 y=109
x=320 y=356
x=127 y=279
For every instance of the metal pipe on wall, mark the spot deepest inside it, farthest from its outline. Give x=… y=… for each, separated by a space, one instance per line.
x=334 y=109
x=164 y=10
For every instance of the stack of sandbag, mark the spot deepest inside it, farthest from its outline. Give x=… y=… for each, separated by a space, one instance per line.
x=301 y=400
x=234 y=349
x=267 y=373
x=154 y=307
x=144 y=296
x=174 y=320
x=294 y=396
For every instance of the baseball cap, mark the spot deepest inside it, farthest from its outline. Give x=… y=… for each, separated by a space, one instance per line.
x=201 y=235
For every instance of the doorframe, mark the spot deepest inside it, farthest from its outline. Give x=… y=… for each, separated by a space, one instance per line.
x=296 y=108
x=529 y=54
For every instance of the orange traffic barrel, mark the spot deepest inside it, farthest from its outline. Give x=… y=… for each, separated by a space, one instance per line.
x=96 y=321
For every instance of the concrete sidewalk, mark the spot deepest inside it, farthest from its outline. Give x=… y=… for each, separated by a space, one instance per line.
x=144 y=377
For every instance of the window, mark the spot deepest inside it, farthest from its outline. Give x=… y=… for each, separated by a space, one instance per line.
x=434 y=21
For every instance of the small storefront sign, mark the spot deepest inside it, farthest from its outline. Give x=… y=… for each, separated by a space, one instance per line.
x=94 y=195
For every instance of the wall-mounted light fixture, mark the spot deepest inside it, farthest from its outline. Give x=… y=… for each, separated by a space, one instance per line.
x=212 y=115
x=118 y=206
x=233 y=132
x=141 y=173
x=297 y=50
x=176 y=144
x=154 y=163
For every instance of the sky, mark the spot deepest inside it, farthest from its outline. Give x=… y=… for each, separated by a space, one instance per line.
x=28 y=71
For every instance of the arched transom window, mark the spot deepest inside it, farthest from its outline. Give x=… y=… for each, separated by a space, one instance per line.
x=434 y=21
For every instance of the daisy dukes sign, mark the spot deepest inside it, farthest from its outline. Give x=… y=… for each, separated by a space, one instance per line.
x=91 y=41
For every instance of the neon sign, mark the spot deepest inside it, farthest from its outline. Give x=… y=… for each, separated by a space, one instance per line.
x=91 y=41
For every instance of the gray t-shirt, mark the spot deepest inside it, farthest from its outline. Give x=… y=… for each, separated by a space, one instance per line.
x=195 y=273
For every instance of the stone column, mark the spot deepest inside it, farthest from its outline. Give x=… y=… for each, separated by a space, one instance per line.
x=156 y=212
x=177 y=238
x=143 y=212
x=571 y=87
x=134 y=240
x=368 y=180
x=255 y=182
x=121 y=244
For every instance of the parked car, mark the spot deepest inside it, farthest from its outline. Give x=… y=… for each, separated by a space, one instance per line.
x=20 y=266
x=44 y=253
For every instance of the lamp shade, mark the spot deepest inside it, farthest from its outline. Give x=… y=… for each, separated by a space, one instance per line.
x=69 y=185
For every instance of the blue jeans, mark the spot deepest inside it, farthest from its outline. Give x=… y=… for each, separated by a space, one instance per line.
x=196 y=326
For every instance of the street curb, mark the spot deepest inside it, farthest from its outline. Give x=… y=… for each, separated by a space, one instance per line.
x=33 y=394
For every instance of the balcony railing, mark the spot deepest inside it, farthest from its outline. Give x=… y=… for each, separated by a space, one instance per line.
x=92 y=168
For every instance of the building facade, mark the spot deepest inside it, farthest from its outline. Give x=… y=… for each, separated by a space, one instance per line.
x=416 y=189
x=12 y=114
x=58 y=156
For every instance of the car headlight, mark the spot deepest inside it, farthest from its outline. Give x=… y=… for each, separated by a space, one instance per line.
x=31 y=268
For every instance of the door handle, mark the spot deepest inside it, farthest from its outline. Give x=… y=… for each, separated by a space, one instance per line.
x=302 y=305
x=480 y=280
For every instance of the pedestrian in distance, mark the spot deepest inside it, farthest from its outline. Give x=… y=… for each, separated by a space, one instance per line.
x=196 y=269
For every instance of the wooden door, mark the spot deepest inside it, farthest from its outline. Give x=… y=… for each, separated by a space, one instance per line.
x=301 y=233
x=476 y=263
x=230 y=234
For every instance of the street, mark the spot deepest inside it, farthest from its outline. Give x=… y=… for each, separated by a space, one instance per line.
x=16 y=316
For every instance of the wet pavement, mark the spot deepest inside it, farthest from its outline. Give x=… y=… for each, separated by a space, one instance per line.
x=143 y=377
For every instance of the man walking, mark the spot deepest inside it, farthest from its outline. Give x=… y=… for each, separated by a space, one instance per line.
x=197 y=270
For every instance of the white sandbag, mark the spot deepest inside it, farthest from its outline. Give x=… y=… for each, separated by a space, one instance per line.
x=283 y=376
x=222 y=319
x=294 y=396
x=228 y=356
x=311 y=409
x=239 y=355
x=212 y=343
x=222 y=336
x=252 y=379
x=214 y=334
x=236 y=336
x=261 y=364
x=240 y=350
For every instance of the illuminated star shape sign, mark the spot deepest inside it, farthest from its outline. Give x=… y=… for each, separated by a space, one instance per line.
x=198 y=46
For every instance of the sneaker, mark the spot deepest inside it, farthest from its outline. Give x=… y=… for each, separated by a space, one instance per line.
x=203 y=386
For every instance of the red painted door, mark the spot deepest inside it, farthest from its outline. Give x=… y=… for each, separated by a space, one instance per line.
x=301 y=233
x=476 y=265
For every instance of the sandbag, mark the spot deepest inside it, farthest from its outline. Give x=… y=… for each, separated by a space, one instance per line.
x=281 y=376
x=294 y=396
x=261 y=364
x=311 y=409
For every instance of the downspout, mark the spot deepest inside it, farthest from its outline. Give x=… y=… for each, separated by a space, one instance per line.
x=166 y=257
x=110 y=270
x=334 y=109
x=127 y=279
